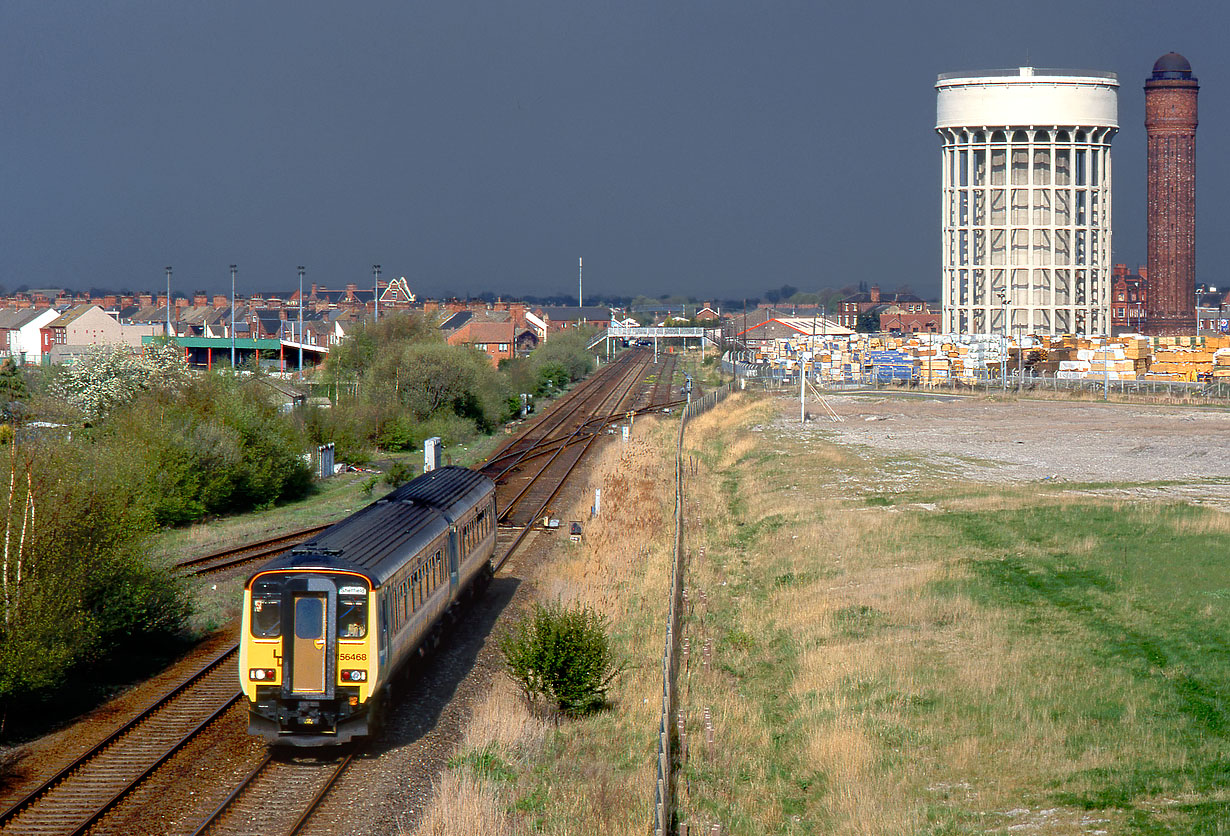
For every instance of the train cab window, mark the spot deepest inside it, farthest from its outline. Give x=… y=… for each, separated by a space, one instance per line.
x=266 y=614
x=309 y=617
x=351 y=616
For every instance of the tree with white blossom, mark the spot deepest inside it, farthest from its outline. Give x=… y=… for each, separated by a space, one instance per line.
x=110 y=376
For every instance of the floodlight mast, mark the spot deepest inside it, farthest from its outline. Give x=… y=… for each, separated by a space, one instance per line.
x=169 y=334
x=233 y=269
x=300 y=320
x=376 y=274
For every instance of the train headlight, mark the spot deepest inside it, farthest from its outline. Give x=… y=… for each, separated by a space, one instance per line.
x=261 y=674
x=354 y=676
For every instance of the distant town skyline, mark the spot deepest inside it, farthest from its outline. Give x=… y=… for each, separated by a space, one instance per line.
x=713 y=150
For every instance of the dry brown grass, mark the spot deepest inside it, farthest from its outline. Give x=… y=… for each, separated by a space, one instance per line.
x=503 y=721
x=468 y=807
x=593 y=775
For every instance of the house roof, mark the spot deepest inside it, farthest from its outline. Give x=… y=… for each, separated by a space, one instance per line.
x=489 y=332
x=456 y=321
x=16 y=318
x=589 y=313
x=71 y=315
x=333 y=296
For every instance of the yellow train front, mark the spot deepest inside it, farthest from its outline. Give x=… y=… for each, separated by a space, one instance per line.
x=326 y=624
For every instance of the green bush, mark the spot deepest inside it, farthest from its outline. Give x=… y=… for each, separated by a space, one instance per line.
x=216 y=446
x=563 y=656
x=401 y=472
x=87 y=599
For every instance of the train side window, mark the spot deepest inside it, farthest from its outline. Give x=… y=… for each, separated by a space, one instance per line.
x=266 y=615
x=352 y=616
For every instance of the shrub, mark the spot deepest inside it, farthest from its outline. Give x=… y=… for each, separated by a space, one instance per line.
x=401 y=472
x=563 y=656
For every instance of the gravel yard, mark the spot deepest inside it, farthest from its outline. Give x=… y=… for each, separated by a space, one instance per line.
x=1022 y=441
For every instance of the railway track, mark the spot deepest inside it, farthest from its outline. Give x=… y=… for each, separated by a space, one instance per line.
x=278 y=796
x=530 y=487
x=79 y=797
x=227 y=559
x=664 y=384
x=520 y=475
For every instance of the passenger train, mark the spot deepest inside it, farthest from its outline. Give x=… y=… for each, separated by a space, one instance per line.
x=327 y=624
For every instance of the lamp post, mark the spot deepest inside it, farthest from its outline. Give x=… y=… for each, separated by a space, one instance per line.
x=300 y=320
x=1003 y=352
x=1020 y=362
x=169 y=303
x=376 y=274
x=1106 y=369
x=233 y=269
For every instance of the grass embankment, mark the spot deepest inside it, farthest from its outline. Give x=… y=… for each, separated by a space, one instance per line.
x=977 y=659
x=519 y=772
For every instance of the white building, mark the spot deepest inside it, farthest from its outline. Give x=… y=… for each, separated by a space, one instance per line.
x=1027 y=200
x=21 y=333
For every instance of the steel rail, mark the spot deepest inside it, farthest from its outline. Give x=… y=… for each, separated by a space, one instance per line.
x=543 y=422
x=575 y=405
x=234 y=794
x=319 y=797
x=236 y=554
x=603 y=387
x=49 y=784
x=517 y=540
x=152 y=768
x=625 y=383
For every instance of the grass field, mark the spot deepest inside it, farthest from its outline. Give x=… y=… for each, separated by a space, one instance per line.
x=951 y=659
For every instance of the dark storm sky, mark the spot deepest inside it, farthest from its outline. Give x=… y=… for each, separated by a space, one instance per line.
x=713 y=149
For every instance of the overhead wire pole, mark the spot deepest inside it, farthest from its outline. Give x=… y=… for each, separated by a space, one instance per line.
x=233 y=269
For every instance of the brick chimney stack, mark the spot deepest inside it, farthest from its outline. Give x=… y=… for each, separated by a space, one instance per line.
x=1170 y=128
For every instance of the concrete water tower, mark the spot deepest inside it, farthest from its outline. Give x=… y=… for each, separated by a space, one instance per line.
x=1027 y=200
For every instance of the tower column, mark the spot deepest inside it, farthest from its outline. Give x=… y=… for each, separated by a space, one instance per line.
x=1170 y=128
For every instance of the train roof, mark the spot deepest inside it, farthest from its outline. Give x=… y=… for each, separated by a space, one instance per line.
x=380 y=538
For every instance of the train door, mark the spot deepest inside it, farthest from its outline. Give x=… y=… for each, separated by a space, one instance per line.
x=454 y=560
x=311 y=625
x=313 y=601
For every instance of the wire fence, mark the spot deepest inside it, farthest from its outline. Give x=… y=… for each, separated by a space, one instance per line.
x=664 y=793
x=1213 y=393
